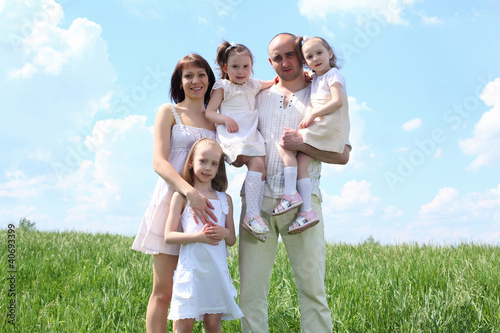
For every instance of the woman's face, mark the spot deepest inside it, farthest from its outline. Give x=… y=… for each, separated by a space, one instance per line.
x=194 y=82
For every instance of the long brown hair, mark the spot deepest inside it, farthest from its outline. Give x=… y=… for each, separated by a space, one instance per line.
x=191 y=60
x=223 y=52
x=219 y=182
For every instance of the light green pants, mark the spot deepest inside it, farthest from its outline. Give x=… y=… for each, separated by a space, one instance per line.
x=306 y=252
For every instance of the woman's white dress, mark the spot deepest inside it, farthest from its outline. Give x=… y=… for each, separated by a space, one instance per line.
x=202 y=283
x=239 y=104
x=151 y=239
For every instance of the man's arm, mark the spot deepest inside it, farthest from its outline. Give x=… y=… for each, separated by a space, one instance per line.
x=292 y=140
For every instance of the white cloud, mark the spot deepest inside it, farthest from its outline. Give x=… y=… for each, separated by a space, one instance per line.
x=454 y=218
x=449 y=204
x=388 y=10
x=145 y=9
x=203 y=20
x=485 y=138
x=117 y=182
x=392 y=211
x=431 y=20
x=444 y=199
x=20 y=186
x=356 y=211
x=412 y=125
x=356 y=199
x=49 y=48
x=327 y=32
x=27 y=71
x=64 y=69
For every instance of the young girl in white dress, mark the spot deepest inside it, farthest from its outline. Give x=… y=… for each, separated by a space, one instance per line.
x=203 y=288
x=325 y=126
x=234 y=96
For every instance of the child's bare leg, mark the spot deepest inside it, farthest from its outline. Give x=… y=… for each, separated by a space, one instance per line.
x=303 y=162
x=288 y=157
x=212 y=322
x=185 y=325
x=257 y=164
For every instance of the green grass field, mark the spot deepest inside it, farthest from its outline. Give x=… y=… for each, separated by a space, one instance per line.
x=78 y=282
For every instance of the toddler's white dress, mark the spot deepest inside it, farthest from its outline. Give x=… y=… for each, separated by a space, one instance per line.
x=239 y=104
x=330 y=132
x=202 y=283
x=151 y=239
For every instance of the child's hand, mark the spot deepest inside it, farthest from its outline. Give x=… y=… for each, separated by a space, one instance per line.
x=308 y=76
x=208 y=238
x=216 y=232
x=307 y=121
x=231 y=125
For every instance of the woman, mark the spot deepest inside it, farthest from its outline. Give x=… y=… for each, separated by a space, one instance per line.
x=177 y=127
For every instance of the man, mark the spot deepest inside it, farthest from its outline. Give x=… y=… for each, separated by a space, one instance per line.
x=281 y=109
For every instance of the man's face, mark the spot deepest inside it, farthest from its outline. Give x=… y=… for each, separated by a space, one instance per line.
x=284 y=59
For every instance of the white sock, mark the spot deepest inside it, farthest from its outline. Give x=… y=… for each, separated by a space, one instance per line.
x=261 y=193
x=253 y=182
x=304 y=189
x=290 y=174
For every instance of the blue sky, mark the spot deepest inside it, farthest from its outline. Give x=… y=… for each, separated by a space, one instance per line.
x=80 y=81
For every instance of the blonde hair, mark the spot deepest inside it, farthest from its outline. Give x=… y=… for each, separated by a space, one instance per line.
x=219 y=182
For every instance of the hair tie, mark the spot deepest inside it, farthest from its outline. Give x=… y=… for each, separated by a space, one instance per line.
x=304 y=39
x=232 y=45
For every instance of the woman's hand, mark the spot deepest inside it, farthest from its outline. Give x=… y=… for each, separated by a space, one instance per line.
x=201 y=207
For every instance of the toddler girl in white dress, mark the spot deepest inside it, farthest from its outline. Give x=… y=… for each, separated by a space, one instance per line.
x=234 y=96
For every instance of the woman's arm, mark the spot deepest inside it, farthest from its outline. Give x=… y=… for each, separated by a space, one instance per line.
x=164 y=121
x=218 y=118
x=172 y=235
x=331 y=106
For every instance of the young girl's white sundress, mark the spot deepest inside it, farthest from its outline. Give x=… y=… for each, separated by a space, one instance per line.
x=239 y=104
x=202 y=283
x=150 y=238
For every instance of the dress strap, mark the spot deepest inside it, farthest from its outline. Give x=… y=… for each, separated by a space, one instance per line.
x=223 y=202
x=178 y=120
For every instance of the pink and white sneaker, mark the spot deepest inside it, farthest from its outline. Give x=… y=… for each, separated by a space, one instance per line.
x=304 y=221
x=287 y=203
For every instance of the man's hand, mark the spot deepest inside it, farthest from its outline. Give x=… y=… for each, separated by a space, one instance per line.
x=291 y=140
